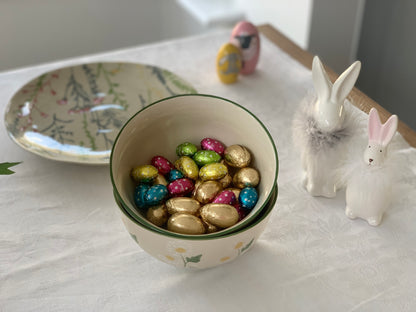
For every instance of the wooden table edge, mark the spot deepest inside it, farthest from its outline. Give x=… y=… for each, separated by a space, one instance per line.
x=358 y=98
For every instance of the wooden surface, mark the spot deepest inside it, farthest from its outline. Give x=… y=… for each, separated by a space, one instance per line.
x=357 y=97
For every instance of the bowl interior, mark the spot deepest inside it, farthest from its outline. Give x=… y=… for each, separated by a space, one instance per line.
x=159 y=128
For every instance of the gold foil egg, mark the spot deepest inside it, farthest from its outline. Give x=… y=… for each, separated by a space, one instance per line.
x=144 y=173
x=207 y=191
x=226 y=180
x=158 y=215
x=160 y=179
x=235 y=190
x=229 y=63
x=237 y=156
x=210 y=228
x=220 y=215
x=246 y=177
x=183 y=205
x=213 y=171
x=185 y=224
x=188 y=167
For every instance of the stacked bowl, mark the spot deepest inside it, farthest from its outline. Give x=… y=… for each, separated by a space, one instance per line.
x=157 y=130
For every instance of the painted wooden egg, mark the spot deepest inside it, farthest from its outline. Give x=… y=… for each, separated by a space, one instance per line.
x=210 y=144
x=144 y=173
x=183 y=205
x=207 y=191
x=220 y=215
x=158 y=215
x=174 y=174
x=229 y=63
x=206 y=157
x=248 y=198
x=246 y=177
x=213 y=171
x=185 y=224
x=237 y=156
x=180 y=187
x=162 y=164
x=188 y=167
x=186 y=149
x=139 y=195
x=246 y=36
x=155 y=195
x=225 y=197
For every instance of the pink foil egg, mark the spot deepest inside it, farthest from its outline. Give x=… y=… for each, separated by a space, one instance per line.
x=162 y=164
x=213 y=145
x=180 y=187
x=225 y=197
x=241 y=212
x=246 y=36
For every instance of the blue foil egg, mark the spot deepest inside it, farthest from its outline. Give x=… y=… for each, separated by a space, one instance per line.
x=174 y=174
x=155 y=195
x=139 y=195
x=248 y=198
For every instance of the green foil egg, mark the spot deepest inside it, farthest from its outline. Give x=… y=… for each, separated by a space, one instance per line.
x=186 y=149
x=203 y=158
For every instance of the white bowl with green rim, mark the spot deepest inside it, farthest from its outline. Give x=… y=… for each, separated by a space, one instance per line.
x=198 y=253
x=160 y=127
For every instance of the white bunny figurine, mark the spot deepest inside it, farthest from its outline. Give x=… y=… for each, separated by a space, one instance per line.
x=368 y=192
x=323 y=127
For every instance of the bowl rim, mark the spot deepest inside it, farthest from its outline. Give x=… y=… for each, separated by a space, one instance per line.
x=222 y=232
x=270 y=206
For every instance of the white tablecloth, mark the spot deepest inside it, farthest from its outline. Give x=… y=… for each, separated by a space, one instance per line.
x=63 y=246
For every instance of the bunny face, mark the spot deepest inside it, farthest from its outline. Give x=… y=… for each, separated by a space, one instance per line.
x=329 y=109
x=375 y=154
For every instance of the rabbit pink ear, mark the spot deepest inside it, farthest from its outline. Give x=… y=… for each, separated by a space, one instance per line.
x=374 y=125
x=388 y=130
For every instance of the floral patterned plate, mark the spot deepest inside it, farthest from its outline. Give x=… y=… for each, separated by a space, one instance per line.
x=74 y=114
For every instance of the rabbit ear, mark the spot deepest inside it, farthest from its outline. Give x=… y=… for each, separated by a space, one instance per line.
x=388 y=130
x=374 y=125
x=320 y=79
x=344 y=84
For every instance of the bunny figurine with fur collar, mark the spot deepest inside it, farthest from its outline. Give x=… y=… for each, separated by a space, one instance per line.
x=368 y=192
x=322 y=128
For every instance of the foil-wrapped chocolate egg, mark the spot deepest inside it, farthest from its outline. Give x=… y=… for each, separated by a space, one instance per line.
x=210 y=228
x=162 y=164
x=207 y=191
x=214 y=171
x=237 y=156
x=184 y=223
x=144 y=173
x=229 y=63
x=196 y=185
x=210 y=144
x=188 y=167
x=174 y=174
x=225 y=197
x=160 y=179
x=248 y=198
x=158 y=215
x=220 y=215
x=235 y=190
x=246 y=177
x=226 y=180
x=186 y=149
x=139 y=195
x=183 y=205
x=155 y=195
x=180 y=187
x=203 y=157
x=241 y=211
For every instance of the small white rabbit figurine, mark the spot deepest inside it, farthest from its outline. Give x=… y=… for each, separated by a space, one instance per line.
x=323 y=127
x=368 y=192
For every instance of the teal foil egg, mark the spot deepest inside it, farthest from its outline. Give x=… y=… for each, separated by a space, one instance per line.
x=174 y=174
x=248 y=198
x=155 y=195
x=139 y=195
x=203 y=158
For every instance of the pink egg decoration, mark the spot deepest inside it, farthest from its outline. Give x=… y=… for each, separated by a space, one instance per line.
x=213 y=145
x=180 y=187
x=241 y=212
x=225 y=197
x=162 y=164
x=246 y=36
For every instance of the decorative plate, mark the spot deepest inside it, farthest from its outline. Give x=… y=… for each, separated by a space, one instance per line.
x=74 y=114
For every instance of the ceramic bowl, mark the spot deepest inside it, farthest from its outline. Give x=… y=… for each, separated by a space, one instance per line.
x=160 y=127
x=203 y=253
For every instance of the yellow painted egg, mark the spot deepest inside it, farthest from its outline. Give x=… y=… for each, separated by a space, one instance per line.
x=185 y=224
x=213 y=171
x=183 y=205
x=220 y=215
x=188 y=167
x=229 y=63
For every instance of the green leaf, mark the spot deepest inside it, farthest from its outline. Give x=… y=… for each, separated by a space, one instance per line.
x=134 y=237
x=247 y=246
x=4 y=167
x=194 y=259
